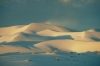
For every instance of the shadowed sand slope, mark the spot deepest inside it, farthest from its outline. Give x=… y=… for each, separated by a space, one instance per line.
x=8 y=30
x=8 y=48
x=45 y=37
x=20 y=37
x=69 y=45
x=35 y=27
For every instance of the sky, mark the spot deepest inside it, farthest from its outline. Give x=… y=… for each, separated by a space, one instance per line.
x=74 y=14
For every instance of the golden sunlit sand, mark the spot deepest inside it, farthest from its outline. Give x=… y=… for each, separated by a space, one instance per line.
x=82 y=41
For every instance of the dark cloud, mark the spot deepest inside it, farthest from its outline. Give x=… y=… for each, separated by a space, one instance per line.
x=72 y=13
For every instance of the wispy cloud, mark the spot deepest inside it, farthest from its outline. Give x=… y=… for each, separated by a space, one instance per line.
x=65 y=22
x=64 y=1
x=90 y=1
x=18 y=1
x=61 y=1
x=9 y=1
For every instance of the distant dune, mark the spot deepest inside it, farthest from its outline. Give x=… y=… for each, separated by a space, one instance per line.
x=49 y=37
x=94 y=30
x=33 y=27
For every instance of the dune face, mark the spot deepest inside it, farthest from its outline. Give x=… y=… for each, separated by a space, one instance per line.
x=35 y=27
x=39 y=27
x=8 y=48
x=69 y=45
x=7 y=30
x=49 y=37
x=92 y=35
x=93 y=30
x=49 y=32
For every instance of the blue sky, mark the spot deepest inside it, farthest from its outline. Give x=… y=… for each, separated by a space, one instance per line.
x=74 y=14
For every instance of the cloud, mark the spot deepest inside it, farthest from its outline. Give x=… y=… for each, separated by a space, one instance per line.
x=69 y=23
x=18 y=1
x=79 y=1
x=9 y=1
x=87 y=0
x=65 y=1
x=56 y=1
x=90 y=1
x=82 y=3
x=24 y=1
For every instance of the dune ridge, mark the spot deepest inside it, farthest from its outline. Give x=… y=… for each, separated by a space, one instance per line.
x=49 y=37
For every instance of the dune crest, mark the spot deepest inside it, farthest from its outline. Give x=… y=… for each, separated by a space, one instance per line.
x=42 y=37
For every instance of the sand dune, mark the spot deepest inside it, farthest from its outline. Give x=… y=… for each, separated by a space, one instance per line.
x=93 y=30
x=33 y=27
x=41 y=26
x=49 y=32
x=81 y=36
x=14 y=33
x=8 y=48
x=7 y=38
x=93 y=36
x=8 y=30
x=20 y=37
x=69 y=45
x=51 y=36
